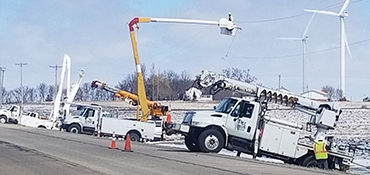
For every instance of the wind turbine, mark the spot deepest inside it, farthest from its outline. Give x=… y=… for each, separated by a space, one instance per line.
x=343 y=40
x=303 y=39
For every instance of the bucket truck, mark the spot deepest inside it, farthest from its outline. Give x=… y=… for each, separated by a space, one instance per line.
x=33 y=119
x=242 y=124
x=227 y=26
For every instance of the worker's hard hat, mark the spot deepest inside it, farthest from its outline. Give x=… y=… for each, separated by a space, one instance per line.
x=321 y=137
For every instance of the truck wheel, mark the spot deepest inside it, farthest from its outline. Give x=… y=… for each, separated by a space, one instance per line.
x=2 y=119
x=74 y=128
x=310 y=161
x=211 y=140
x=191 y=144
x=134 y=137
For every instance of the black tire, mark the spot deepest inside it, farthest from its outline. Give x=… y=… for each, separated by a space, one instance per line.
x=2 y=119
x=310 y=161
x=134 y=137
x=74 y=128
x=191 y=144
x=211 y=141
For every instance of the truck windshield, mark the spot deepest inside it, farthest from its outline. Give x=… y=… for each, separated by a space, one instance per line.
x=78 y=112
x=225 y=105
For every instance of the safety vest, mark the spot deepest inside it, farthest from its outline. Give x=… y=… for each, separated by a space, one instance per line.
x=320 y=150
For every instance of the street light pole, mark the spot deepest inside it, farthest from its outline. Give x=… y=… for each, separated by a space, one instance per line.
x=20 y=64
x=2 y=69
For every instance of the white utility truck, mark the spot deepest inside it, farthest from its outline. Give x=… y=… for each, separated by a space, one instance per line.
x=92 y=119
x=10 y=115
x=241 y=124
x=13 y=115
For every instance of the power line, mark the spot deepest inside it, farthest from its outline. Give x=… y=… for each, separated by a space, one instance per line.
x=294 y=55
x=294 y=16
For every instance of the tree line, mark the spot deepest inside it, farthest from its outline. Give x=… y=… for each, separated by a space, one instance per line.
x=165 y=85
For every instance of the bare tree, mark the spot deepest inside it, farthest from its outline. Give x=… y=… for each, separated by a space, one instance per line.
x=42 y=91
x=239 y=74
x=29 y=94
x=330 y=91
x=17 y=94
x=86 y=88
x=10 y=97
x=79 y=95
x=50 y=94
x=333 y=94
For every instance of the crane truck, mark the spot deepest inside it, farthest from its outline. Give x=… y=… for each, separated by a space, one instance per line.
x=243 y=124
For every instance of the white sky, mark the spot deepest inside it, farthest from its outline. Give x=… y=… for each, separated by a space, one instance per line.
x=95 y=35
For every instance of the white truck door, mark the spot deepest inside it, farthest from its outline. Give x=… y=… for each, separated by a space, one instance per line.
x=88 y=120
x=240 y=122
x=14 y=112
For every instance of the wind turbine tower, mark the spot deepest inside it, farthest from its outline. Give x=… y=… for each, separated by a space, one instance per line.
x=303 y=39
x=343 y=41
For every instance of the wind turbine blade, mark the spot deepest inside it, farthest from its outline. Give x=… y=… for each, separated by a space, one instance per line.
x=322 y=12
x=347 y=46
x=308 y=25
x=292 y=39
x=345 y=5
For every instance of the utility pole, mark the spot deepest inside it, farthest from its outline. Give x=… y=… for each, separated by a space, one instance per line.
x=279 y=82
x=2 y=69
x=56 y=78
x=20 y=64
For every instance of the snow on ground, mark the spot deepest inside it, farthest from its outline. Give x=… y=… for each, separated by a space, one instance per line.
x=352 y=127
x=223 y=152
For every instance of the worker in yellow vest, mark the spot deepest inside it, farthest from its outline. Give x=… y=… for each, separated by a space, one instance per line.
x=321 y=153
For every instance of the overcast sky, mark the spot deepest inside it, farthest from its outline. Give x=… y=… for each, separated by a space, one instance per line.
x=94 y=33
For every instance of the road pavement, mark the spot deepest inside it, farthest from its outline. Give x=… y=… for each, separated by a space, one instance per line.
x=33 y=151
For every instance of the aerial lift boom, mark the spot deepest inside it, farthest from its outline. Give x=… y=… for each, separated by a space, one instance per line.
x=227 y=27
x=155 y=108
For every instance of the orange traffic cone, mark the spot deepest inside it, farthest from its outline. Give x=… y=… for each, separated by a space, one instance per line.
x=113 y=143
x=127 y=144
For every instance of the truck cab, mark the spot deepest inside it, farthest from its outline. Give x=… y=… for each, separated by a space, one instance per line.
x=10 y=115
x=233 y=123
x=84 y=119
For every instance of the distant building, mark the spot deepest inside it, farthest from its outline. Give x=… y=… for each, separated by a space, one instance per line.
x=206 y=98
x=316 y=95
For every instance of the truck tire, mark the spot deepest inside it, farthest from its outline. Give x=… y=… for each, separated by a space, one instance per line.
x=211 y=140
x=134 y=137
x=310 y=161
x=2 y=119
x=74 y=128
x=191 y=144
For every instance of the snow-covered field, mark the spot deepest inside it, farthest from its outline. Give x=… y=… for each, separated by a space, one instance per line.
x=352 y=127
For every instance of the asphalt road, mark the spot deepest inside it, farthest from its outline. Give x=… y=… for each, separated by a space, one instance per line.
x=31 y=151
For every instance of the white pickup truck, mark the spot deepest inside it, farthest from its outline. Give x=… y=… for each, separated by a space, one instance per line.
x=33 y=119
x=92 y=119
